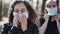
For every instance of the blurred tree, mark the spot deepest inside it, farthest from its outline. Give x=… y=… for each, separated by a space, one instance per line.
x=0 y=10
x=37 y=5
x=43 y=7
x=58 y=4
x=5 y=7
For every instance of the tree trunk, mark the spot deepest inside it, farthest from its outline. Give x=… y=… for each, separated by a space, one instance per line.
x=58 y=4
x=43 y=7
x=0 y=10
x=37 y=5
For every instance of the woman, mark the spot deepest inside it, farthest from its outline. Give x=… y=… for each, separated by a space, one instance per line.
x=50 y=23
x=22 y=19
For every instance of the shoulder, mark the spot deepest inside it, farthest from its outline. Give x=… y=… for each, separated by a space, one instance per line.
x=42 y=20
x=6 y=27
x=8 y=24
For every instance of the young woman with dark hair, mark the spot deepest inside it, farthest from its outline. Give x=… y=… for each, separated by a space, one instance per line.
x=22 y=19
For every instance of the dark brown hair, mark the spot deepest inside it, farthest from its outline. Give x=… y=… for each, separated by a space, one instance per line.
x=33 y=17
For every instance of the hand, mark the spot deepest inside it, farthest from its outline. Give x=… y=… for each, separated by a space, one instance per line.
x=23 y=22
x=57 y=17
x=15 y=21
x=46 y=17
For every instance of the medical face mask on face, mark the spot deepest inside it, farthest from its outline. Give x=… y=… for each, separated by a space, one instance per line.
x=52 y=11
x=25 y=13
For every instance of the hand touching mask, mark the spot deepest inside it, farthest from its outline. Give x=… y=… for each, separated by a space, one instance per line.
x=20 y=15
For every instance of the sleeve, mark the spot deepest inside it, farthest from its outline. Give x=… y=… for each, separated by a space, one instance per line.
x=5 y=28
x=42 y=20
x=14 y=30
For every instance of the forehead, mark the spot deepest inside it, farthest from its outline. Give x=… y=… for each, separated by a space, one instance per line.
x=20 y=5
x=51 y=2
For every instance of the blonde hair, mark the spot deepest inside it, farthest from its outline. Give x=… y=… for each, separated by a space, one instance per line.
x=49 y=1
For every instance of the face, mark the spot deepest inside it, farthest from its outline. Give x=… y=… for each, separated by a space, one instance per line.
x=20 y=8
x=52 y=8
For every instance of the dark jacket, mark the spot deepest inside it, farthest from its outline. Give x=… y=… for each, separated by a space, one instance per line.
x=10 y=29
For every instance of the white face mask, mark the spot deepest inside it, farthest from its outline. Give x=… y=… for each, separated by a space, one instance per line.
x=52 y=11
x=25 y=13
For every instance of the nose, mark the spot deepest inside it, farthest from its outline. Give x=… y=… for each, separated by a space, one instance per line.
x=52 y=7
x=19 y=12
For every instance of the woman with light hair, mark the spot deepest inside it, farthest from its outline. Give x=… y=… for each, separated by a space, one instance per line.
x=50 y=23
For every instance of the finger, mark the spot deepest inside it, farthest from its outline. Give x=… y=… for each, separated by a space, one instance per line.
x=56 y=17
x=24 y=19
x=46 y=16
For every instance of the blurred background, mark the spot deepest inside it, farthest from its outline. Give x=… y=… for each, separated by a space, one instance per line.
x=38 y=5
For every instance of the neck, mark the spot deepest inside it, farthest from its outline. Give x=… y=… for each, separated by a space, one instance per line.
x=53 y=18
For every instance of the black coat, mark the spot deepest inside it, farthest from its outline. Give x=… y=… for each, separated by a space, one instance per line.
x=10 y=29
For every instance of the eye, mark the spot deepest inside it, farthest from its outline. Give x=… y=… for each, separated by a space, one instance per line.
x=23 y=10
x=49 y=6
x=15 y=10
x=54 y=6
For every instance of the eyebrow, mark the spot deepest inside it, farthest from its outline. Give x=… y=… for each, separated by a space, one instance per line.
x=16 y=10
